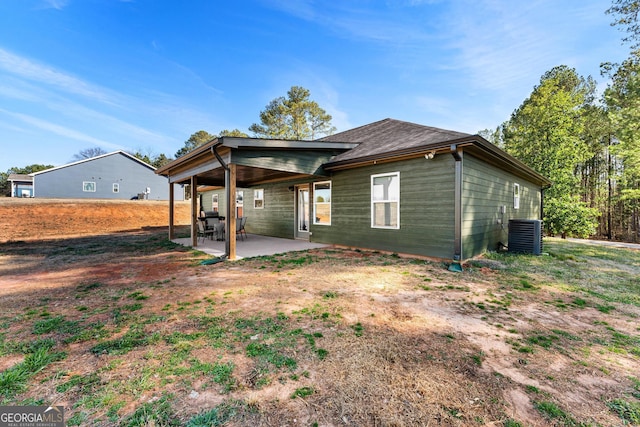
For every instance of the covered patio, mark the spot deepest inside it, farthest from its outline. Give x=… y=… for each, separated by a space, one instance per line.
x=254 y=245
x=232 y=163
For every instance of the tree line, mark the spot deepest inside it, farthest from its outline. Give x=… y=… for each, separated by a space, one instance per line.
x=587 y=145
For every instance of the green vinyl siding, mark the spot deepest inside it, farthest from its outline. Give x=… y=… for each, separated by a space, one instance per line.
x=426 y=209
x=485 y=189
x=276 y=219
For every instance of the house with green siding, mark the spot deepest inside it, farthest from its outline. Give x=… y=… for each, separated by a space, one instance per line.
x=390 y=186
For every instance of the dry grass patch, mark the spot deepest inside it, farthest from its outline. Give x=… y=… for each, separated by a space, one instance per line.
x=128 y=329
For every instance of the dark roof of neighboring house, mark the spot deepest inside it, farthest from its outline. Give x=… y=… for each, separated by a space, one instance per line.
x=388 y=136
x=20 y=177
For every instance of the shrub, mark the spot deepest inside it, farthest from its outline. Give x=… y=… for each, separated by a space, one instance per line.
x=569 y=217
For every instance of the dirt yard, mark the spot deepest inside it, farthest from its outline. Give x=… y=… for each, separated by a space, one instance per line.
x=128 y=329
x=26 y=219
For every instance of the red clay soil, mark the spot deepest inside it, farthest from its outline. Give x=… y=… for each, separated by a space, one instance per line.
x=28 y=219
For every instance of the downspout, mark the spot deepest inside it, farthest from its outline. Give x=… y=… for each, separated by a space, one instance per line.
x=227 y=247
x=542 y=203
x=215 y=153
x=457 y=239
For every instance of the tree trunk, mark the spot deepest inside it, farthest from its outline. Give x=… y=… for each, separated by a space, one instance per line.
x=609 y=172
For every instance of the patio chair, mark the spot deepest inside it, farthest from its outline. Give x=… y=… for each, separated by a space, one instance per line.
x=213 y=225
x=210 y=223
x=218 y=230
x=240 y=222
x=203 y=231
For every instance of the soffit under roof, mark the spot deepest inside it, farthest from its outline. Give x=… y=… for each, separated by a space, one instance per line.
x=203 y=163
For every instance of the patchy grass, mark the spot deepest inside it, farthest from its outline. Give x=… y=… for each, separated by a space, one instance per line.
x=592 y=270
x=133 y=331
x=554 y=413
x=16 y=378
x=629 y=412
x=220 y=415
x=302 y=392
x=158 y=412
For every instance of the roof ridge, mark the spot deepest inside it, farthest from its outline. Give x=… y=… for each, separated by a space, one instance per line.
x=77 y=162
x=392 y=120
x=358 y=127
x=432 y=128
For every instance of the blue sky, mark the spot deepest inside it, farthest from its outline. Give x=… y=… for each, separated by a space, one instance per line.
x=146 y=74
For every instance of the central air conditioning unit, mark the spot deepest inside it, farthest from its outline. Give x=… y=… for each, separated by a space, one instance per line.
x=525 y=236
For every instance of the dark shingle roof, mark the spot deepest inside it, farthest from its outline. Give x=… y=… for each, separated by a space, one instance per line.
x=389 y=136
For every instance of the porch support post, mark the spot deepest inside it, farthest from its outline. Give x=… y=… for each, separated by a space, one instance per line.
x=194 y=211
x=457 y=239
x=171 y=213
x=230 y=194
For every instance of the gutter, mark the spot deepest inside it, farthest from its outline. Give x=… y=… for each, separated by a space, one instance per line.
x=215 y=153
x=188 y=156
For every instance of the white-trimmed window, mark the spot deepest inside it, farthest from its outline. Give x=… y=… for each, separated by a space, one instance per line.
x=89 y=186
x=385 y=200
x=322 y=203
x=214 y=203
x=239 y=203
x=516 y=196
x=258 y=198
x=116 y=187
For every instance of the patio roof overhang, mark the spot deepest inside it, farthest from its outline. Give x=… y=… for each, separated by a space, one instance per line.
x=257 y=160
x=232 y=162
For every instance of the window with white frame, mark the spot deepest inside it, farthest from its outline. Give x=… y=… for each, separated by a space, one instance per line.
x=214 y=203
x=385 y=200
x=322 y=203
x=258 y=198
x=239 y=203
x=116 y=187
x=516 y=196
x=89 y=186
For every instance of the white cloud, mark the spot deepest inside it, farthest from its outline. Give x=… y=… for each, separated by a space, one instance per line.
x=15 y=89
x=434 y=105
x=61 y=106
x=497 y=43
x=60 y=130
x=505 y=46
x=13 y=128
x=300 y=8
x=55 y=4
x=356 y=22
x=30 y=90
x=26 y=69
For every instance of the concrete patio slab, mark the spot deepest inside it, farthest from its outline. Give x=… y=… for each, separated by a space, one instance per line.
x=253 y=245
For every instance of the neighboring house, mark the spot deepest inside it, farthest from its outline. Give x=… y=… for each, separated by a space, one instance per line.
x=389 y=185
x=116 y=175
x=21 y=185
